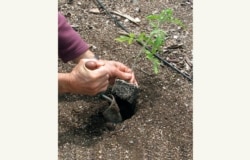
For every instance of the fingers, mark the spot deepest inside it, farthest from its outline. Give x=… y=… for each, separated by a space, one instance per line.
x=133 y=80
x=125 y=73
x=123 y=67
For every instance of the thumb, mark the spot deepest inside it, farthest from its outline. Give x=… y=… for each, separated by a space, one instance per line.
x=92 y=65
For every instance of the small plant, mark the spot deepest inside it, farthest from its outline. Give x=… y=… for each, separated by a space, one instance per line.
x=152 y=42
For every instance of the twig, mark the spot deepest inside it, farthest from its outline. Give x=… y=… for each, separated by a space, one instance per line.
x=123 y=33
x=174 y=60
x=188 y=61
x=145 y=72
x=134 y=20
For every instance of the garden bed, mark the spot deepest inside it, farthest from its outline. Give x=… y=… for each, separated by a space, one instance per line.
x=161 y=126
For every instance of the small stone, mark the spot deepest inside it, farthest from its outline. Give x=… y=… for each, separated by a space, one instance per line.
x=137 y=9
x=94 y=10
x=175 y=36
x=68 y=14
x=93 y=47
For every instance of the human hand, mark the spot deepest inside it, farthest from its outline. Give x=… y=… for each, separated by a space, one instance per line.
x=89 y=77
x=119 y=70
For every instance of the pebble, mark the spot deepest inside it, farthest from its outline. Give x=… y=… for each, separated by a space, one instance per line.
x=93 y=47
x=175 y=36
x=137 y=9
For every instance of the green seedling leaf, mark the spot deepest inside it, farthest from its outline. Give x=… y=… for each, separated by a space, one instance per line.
x=131 y=38
x=153 y=17
x=157 y=44
x=142 y=37
x=156 y=65
x=122 y=39
x=149 y=54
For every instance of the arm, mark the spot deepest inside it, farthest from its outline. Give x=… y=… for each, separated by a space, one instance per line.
x=98 y=74
x=72 y=47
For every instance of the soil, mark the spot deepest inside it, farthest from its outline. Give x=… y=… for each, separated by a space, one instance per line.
x=159 y=125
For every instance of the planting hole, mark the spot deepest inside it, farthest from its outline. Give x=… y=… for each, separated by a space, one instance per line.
x=127 y=110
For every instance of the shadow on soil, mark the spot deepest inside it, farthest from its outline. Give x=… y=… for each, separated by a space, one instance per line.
x=87 y=134
x=91 y=131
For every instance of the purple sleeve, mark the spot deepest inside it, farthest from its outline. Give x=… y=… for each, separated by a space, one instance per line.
x=70 y=43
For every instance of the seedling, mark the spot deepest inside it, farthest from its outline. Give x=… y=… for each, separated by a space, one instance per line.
x=153 y=41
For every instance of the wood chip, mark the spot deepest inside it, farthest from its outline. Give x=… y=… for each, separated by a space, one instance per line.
x=175 y=46
x=135 y=20
x=94 y=10
x=188 y=61
x=123 y=33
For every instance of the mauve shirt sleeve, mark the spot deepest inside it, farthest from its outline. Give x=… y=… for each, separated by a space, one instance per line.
x=70 y=43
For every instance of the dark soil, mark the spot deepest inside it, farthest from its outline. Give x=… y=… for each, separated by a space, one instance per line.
x=160 y=126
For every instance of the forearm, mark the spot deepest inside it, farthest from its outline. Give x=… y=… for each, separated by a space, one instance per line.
x=63 y=83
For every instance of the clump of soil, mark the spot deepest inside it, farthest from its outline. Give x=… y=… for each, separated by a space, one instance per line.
x=126 y=91
x=159 y=124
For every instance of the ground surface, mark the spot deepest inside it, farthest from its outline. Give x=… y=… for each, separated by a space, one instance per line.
x=161 y=127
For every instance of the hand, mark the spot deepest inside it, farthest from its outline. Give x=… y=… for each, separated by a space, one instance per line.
x=88 y=79
x=119 y=70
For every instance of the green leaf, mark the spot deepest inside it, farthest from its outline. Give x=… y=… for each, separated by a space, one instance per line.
x=130 y=40
x=156 y=70
x=148 y=53
x=142 y=37
x=122 y=39
x=158 y=42
x=153 y=17
x=156 y=66
x=131 y=35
